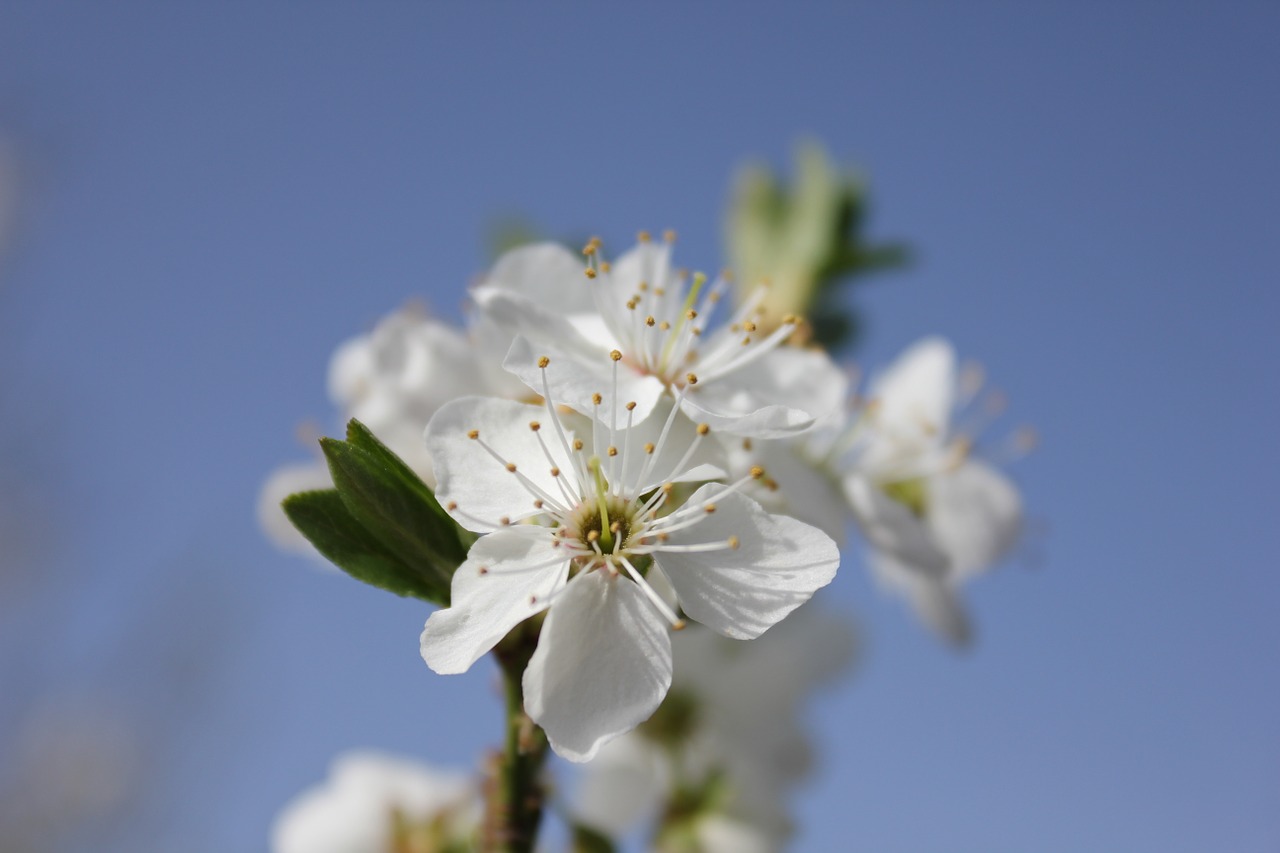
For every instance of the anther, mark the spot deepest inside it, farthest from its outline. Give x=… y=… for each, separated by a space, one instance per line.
x=593 y=535
x=756 y=472
x=663 y=536
x=615 y=527
x=691 y=314
x=473 y=434
x=535 y=426
x=589 y=249
x=669 y=235
x=710 y=508
x=668 y=488
x=537 y=503
x=577 y=444
x=555 y=472
x=664 y=325
x=616 y=355
x=613 y=451
x=511 y=466
x=605 y=266
x=590 y=272
x=691 y=378
x=451 y=506
x=543 y=361
x=703 y=429
x=597 y=399
x=734 y=543
x=482 y=570
x=746 y=444
x=630 y=407
x=790 y=320
x=678 y=625
x=644 y=237
x=648 y=447
x=749 y=326
x=505 y=520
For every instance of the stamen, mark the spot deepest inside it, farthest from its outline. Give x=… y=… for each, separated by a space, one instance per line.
x=661 y=606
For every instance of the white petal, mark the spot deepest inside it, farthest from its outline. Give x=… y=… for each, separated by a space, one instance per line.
x=778 y=395
x=468 y=474
x=517 y=583
x=917 y=392
x=806 y=490
x=574 y=380
x=976 y=515
x=621 y=786
x=351 y=368
x=934 y=601
x=741 y=592
x=717 y=833
x=602 y=666
x=545 y=273
x=709 y=461
x=285 y=481
x=893 y=529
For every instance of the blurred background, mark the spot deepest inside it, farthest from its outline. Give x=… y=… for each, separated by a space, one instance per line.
x=199 y=203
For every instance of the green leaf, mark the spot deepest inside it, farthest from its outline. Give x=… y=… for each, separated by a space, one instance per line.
x=395 y=506
x=322 y=516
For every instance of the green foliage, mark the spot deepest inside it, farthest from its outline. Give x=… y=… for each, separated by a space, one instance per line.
x=380 y=524
x=587 y=840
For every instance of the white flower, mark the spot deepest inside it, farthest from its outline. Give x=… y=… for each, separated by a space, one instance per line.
x=934 y=515
x=734 y=377
x=282 y=482
x=376 y=803
x=734 y=716
x=610 y=549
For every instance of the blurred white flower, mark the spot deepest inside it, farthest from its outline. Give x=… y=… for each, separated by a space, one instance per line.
x=377 y=803
x=730 y=730
x=734 y=376
x=612 y=550
x=934 y=514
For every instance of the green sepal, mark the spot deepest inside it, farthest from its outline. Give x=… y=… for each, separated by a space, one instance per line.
x=395 y=507
x=322 y=516
x=588 y=840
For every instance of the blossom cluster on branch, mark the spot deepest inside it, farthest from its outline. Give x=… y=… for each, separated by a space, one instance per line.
x=625 y=481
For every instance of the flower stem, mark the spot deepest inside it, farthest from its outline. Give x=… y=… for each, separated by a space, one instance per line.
x=514 y=794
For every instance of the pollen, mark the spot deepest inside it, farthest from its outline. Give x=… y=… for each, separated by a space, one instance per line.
x=590 y=248
x=511 y=466
x=691 y=378
x=613 y=451
x=596 y=399
x=749 y=326
x=543 y=361
x=703 y=429
x=649 y=321
x=535 y=426
x=631 y=406
x=756 y=472
x=473 y=434
x=577 y=444
x=616 y=355
x=691 y=314
x=710 y=508
x=734 y=543
x=648 y=447
x=591 y=273
x=555 y=472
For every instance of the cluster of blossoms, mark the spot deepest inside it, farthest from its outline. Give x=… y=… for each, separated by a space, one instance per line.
x=638 y=448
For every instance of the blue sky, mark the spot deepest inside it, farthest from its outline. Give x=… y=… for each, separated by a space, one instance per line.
x=216 y=196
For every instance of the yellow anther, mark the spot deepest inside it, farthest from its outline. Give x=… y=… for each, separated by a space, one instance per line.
x=710 y=508
x=589 y=249
x=644 y=237
x=669 y=235
x=790 y=320
x=749 y=326
x=668 y=488
x=678 y=625
x=615 y=527
x=505 y=520
x=649 y=321
x=605 y=266
x=663 y=537
x=648 y=447
x=591 y=273
x=543 y=361
x=612 y=451
x=664 y=325
x=535 y=426
x=734 y=543
x=537 y=503
x=756 y=472
x=726 y=274
x=482 y=570
x=555 y=472
x=746 y=444
x=703 y=429
x=596 y=399
x=593 y=535
x=451 y=506
x=616 y=355
x=577 y=444
x=473 y=434
x=691 y=378
x=644 y=285
x=746 y=340
x=691 y=314
x=630 y=407
x=511 y=466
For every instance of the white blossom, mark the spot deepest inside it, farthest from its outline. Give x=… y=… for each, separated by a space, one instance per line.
x=612 y=549
x=377 y=803
x=734 y=376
